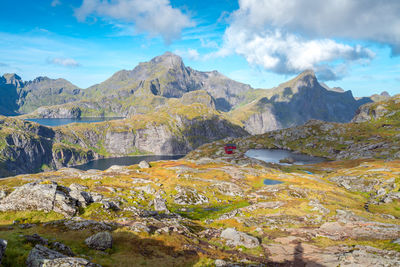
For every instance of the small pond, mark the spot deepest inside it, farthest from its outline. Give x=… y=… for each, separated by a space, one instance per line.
x=104 y=164
x=271 y=182
x=277 y=155
x=58 y=122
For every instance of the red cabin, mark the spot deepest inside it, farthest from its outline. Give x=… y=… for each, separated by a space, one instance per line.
x=229 y=148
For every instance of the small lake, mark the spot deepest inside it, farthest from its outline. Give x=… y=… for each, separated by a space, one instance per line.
x=52 y=122
x=104 y=164
x=275 y=155
x=271 y=182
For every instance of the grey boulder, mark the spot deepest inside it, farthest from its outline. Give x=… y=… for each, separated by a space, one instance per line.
x=144 y=164
x=237 y=238
x=41 y=256
x=40 y=196
x=100 y=241
x=3 y=246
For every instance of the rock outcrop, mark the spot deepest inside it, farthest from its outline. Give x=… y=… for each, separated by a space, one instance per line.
x=237 y=238
x=100 y=241
x=38 y=196
x=41 y=256
x=3 y=246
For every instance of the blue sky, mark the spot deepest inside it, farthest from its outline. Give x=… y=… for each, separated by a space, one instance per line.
x=354 y=45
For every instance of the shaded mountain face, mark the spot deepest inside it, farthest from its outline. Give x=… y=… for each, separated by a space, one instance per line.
x=9 y=86
x=296 y=102
x=24 y=97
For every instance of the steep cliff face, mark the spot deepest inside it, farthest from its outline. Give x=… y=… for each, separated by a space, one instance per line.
x=173 y=129
x=294 y=103
x=9 y=85
x=27 y=147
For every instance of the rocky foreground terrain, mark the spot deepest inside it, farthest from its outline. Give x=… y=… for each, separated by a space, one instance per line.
x=212 y=209
x=204 y=213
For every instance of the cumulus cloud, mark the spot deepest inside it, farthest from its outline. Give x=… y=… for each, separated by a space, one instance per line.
x=66 y=62
x=156 y=17
x=190 y=53
x=369 y=20
x=290 y=36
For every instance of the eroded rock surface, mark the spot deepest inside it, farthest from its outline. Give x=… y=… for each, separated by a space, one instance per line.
x=100 y=241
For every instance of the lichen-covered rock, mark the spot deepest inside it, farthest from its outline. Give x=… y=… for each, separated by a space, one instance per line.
x=77 y=192
x=237 y=238
x=228 y=189
x=39 y=254
x=189 y=196
x=3 y=246
x=100 y=241
x=159 y=205
x=144 y=164
x=36 y=239
x=40 y=196
x=78 y=223
x=62 y=248
x=369 y=257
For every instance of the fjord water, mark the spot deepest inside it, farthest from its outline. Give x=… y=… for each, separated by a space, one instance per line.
x=58 y=122
x=104 y=164
x=275 y=155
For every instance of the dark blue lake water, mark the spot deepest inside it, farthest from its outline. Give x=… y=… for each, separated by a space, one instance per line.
x=104 y=164
x=58 y=122
x=275 y=155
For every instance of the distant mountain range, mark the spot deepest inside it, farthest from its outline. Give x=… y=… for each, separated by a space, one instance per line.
x=148 y=87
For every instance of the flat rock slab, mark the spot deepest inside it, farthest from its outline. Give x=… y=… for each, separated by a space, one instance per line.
x=237 y=238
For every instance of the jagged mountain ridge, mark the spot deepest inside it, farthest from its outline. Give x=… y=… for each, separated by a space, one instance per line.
x=294 y=103
x=149 y=86
x=167 y=76
x=20 y=96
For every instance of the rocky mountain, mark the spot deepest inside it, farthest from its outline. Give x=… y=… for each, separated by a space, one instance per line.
x=181 y=126
x=380 y=97
x=150 y=85
x=373 y=133
x=167 y=76
x=19 y=96
x=294 y=103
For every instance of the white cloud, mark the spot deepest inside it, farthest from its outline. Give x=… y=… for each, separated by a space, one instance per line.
x=190 y=53
x=55 y=3
x=66 y=62
x=156 y=17
x=369 y=20
x=290 y=36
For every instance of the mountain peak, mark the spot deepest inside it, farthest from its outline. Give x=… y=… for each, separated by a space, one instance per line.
x=11 y=76
x=14 y=79
x=168 y=59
